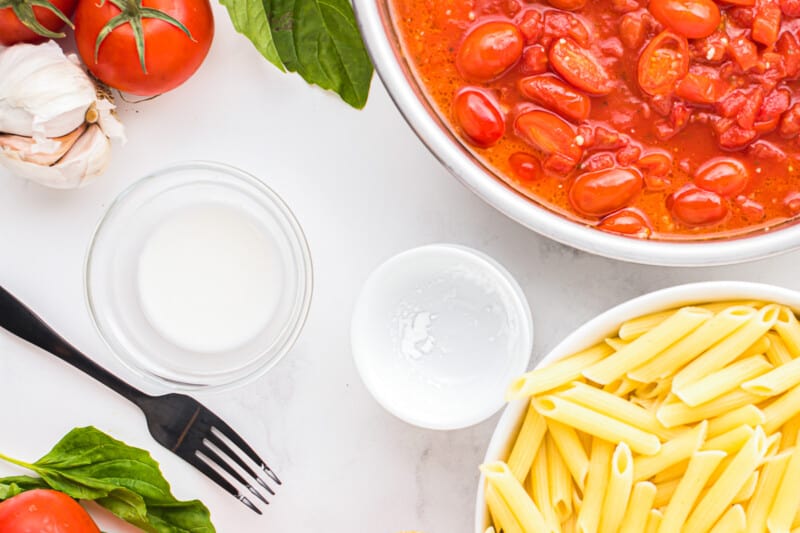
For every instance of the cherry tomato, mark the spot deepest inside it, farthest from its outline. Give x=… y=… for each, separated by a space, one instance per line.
x=557 y=96
x=549 y=133
x=792 y=203
x=579 y=67
x=525 y=166
x=569 y=5
x=13 y=31
x=479 y=117
x=723 y=175
x=693 y=19
x=604 y=191
x=697 y=207
x=44 y=511
x=170 y=55
x=631 y=222
x=534 y=60
x=489 y=50
x=663 y=63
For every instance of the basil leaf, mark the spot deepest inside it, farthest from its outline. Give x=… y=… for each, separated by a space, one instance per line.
x=319 y=39
x=11 y=486
x=250 y=19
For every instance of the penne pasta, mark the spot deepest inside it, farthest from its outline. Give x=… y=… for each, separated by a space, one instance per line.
x=748 y=489
x=729 y=348
x=635 y=328
x=596 y=424
x=571 y=450
x=789 y=330
x=664 y=492
x=688 y=489
x=766 y=489
x=777 y=353
x=653 y=521
x=787 y=498
x=616 y=343
x=509 y=488
x=596 y=482
x=621 y=387
x=717 y=307
x=759 y=347
x=540 y=484
x=720 y=495
x=559 y=482
x=559 y=373
x=673 y=472
x=646 y=347
x=733 y=521
x=789 y=432
x=672 y=452
x=655 y=390
x=641 y=502
x=731 y=441
x=678 y=413
x=776 y=381
x=725 y=380
x=529 y=440
x=502 y=517
x=747 y=415
x=782 y=409
x=618 y=491
x=679 y=354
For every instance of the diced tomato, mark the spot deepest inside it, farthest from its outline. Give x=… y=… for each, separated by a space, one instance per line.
x=742 y=16
x=742 y=105
x=790 y=8
x=479 y=117
x=628 y=155
x=534 y=60
x=631 y=222
x=605 y=191
x=767 y=22
x=731 y=136
x=774 y=105
x=789 y=127
x=744 y=52
x=598 y=161
x=569 y=5
x=633 y=29
x=752 y=210
x=664 y=62
x=531 y=26
x=625 y=6
x=697 y=207
x=525 y=166
x=789 y=48
x=711 y=49
x=489 y=50
x=579 y=67
x=560 y=25
x=557 y=96
x=701 y=88
x=792 y=203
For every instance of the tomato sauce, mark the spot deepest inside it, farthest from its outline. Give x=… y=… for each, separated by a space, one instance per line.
x=668 y=119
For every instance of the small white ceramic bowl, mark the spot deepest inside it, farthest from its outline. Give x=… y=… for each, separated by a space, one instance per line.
x=438 y=333
x=608 y=323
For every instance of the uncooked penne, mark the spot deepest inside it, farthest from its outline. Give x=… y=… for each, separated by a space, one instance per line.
x=731 y=441
x=689 y=487
x=768 y=483
x=641 y=502
x=509 y=488
x=748 y=489
x=789 y=329
x=559 y=481
x=787 y=499
x=725 y=380
x=679 y=354
x=789 y=432
x=618 y=491
x=729 y=348
x=559 y=373
x=527 y=444
x=719 y=496
x=571 y=450
x=636 y=327
x=616 y=343
x=777 y=353
x=782 y=409
x=502 y=517
x=594 y=423
x=664 y=492
x=672 y=452
x=540 y=485
x=776 y=381
x=733 y=521
x=653 y=521
x=671 y=473
x=747 y=415
x=678 y=413
x=596 y=482
x=646 y=347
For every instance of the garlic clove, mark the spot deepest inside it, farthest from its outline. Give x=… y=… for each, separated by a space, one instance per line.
x=40 y=152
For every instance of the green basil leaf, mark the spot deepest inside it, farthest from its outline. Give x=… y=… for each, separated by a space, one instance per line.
x=11 y=486
x=319 y=39
x=250 y=19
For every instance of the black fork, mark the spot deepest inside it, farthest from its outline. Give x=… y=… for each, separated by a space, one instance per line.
x=176 y=421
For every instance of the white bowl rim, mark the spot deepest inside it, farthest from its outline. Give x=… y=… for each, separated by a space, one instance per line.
x=520 y=307
x=590 y=332
x=539 y=219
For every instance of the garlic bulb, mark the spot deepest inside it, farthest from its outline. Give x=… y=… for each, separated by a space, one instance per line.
x=55 y=124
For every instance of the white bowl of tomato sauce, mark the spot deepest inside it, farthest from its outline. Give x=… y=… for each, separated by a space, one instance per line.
x=662 y=132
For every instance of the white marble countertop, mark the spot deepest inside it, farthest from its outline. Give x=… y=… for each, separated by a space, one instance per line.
x=363 y=187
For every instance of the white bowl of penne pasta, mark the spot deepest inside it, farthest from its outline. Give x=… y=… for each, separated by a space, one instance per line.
x=677 y=411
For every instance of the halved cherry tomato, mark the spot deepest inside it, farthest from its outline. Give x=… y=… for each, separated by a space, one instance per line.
x=569 y=5
x=604 y=191
x=694 y=19
x=767 y=23
x=792 y=203
x=525 y=166
x=557 y=96
x=489 y=50
x=479 y=117
x=579 y=67
x=790 y=8
x=697 y=207
x=549 y=134
x=663 y=63
x=723 y=175
x=44 y=511
x=628 y=221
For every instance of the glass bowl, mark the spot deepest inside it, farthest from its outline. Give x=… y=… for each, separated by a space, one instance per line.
x=113 y=266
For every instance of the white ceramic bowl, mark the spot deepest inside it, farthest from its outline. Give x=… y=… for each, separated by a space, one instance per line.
x=608 y=323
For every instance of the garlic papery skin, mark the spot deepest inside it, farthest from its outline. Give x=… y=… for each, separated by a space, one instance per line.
x=56 y=125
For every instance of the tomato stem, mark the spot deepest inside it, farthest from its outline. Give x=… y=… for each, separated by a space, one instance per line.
x=23 y=9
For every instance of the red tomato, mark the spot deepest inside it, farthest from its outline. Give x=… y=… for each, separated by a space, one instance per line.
x=12 y=31
x=489 y=50
x=479 y=117
x=530 y=25
x=170 y=56
x=629 y=221
x=700 y=88
x=723 y=175
x=664 y=62
x=44 y=511
x=557 y=96
x=792 y=203
x=534 y=60
x=604 y=191
x=767 y=23
x=525 y=166
x=697 y=207
x=549 y=134
x=694 y=19
x=579 y=67
x=569 y=5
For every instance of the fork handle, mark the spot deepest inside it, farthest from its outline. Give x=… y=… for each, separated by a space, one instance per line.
x=18 y=319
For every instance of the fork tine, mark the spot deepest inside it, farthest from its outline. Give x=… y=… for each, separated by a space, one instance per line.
x=222 y=463
x=234 y=437
x=224 y=448
x=197 y=461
